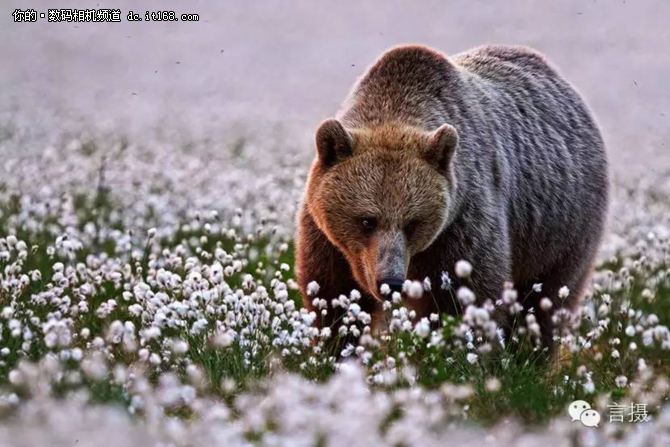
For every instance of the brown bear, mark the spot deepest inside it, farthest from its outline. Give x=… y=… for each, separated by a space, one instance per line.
x=488 y=156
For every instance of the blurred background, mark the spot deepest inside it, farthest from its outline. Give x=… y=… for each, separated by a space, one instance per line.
x=267 y=65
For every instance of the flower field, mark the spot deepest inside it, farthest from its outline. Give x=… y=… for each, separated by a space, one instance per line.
x=147 y=297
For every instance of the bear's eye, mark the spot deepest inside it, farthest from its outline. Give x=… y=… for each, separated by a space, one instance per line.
x=368 y=224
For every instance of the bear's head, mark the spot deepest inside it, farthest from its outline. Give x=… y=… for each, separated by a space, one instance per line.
x=381 y=194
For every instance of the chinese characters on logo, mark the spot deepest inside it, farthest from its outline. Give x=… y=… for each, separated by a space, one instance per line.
x=628 y=413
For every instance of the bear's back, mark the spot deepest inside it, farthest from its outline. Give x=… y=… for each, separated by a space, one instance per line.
x=417 y=85
x=406 y=84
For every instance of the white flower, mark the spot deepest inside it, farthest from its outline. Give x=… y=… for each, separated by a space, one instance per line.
x=465 y=296
x=348 y=350
x=471 y=357
x=492 y=385
x=537 y=288
x=589 y=387
x=563 y=292
x=545 y=304
x=7 y=312
x=422 y=328
x=641 y=365
x=446 y=281
x=621 y=381
x=413 y=289
x=648 y=295
x=224 y=339
x=384 y=289
x=180 y=347
x=313 y=288
x=603 y=310
x=509 y=296
x=427 y=285
x=135 y=310
x=77 y=354
x=630 y=331
x=365 y=318
x=534 y=329
x=11 y=240
x=15 y=377
x=463 y=269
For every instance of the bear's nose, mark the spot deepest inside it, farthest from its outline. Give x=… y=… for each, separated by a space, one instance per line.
x=395 y=284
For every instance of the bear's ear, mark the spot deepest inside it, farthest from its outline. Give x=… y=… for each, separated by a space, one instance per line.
x=442 y=144
x=333 y=142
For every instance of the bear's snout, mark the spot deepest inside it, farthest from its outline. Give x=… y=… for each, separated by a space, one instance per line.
x=390 y=262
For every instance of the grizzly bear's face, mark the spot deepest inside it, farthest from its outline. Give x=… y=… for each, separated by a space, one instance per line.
x=381 y=195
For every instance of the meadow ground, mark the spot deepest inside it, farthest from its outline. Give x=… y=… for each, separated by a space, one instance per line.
x=147 y=296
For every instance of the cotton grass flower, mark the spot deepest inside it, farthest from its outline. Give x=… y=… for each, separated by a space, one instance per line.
x=492 y=385
x=621 y=381
x=445 y=281
x=545 y=304
x=313 y=288
x=413 y=289
x=463 y=269
x=465 y=296
x=422 y=328
x=384 y=289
